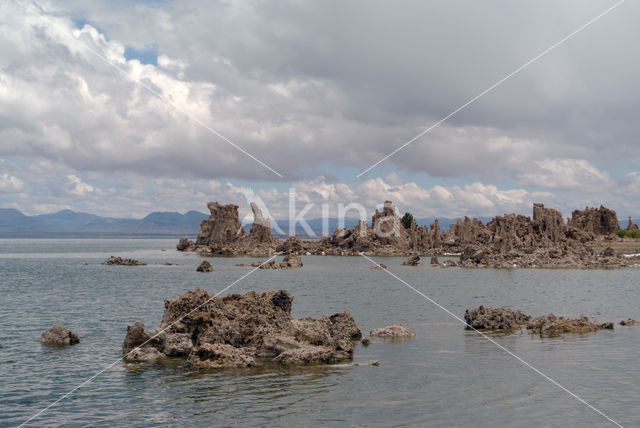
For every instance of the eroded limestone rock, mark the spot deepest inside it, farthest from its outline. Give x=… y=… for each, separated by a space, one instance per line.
x=601 y=221
x=412 y=261
x=205 y=266
x=494 y=318
x=396 y=330
x=119 y=261
x=291 y=261
x=238 y=330
x=548 y=325
x=59 y=335
x=509 y=241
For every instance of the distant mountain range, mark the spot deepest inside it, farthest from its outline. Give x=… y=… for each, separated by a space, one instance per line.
x=13 y=223
x=67 y=223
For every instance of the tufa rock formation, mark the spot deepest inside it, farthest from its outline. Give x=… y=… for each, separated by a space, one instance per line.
x=222 y=228
x=289 y=261
x=385 y=237
x=59 y=335
x=396 y=330
x=631 y=226
x=601 y=221
x=119 y=261
x=494 y=318
x=548 y=325
x=412 y=261
x=223 y=234
x=205 y=266
x=543 y=241
x=185 y=245
x=241 y=331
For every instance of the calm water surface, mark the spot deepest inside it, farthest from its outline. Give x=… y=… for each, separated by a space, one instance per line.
x=445 y=376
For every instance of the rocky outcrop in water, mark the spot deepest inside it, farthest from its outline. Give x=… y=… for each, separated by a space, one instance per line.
x=412 y=261
x=290 y=261
x=631 y=226
x=550 y=325
x=186 y=245
x=119 y=261
x=396 y=330
x=241 y=330
x=386 y=236
x=205 y=266
x=379 y=266
x=507 y=320
x=59 y=335
x=494 y=318
x=222 y=228
x=291 y=245
x=509 y=241
x=223 y=234
x=544 y=242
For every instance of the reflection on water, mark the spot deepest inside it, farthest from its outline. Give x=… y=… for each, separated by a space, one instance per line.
x=444 y=376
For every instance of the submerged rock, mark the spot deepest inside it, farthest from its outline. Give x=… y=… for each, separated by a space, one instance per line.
x=629 y=322
x=205 y=266
x=240 y=330
x=291 y=261
x=59 y=335
x=119 y=261
x=380 y=266
x=412 y=261
x=548 y=325
x=396 y=330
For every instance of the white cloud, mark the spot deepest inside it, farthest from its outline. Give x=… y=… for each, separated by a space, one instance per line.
x=302 y=96
x=565 y=174
x=9 y=183
x=79 y=187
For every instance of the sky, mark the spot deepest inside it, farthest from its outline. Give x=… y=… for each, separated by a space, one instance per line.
x=121 y=108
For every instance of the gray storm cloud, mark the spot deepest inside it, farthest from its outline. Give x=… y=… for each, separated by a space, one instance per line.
x=304 y=85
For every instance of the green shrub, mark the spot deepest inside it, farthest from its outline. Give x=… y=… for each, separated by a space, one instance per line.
x=628 y=233
x=407 y=219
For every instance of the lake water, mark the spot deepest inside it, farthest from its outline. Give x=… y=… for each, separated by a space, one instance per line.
x=444 y=376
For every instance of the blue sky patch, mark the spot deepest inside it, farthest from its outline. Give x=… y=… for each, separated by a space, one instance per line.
x=144 y=55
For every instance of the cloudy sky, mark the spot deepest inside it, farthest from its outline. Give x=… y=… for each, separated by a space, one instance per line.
x=121 y=108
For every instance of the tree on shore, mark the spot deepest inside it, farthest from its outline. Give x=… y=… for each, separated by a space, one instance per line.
x=407 y=219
